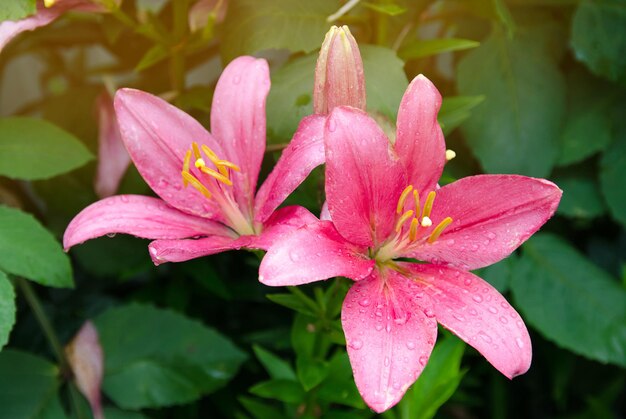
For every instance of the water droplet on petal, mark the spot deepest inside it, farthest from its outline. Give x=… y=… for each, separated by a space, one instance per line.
x=504 y=304
x=237 y=79
x=503 y=320
x=365 y=302
x=493 y=310
x=294 y=256
x=124 y=198
x=423 y=360
x=378 y=327
x=387 y=362
x=491 y=235
x=485 y=337
x=519 y=343
x=468 y=281
x=356 y=344
x=388 y=328
x=429 y=313
x=332 y=125
x=477 y=298
x=410 y=345
x=111 y=235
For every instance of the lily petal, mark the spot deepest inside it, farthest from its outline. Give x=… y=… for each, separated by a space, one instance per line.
x=419 y=139
x=113 y=159
x=162 y=251
x=364 y=177
x=477 y=313
x=283 y=222
x=157 y=135
x=389 y=337
x=138 y=215
x=492 y=216
x=238 y=122
x=313 y=253
x=304 y=153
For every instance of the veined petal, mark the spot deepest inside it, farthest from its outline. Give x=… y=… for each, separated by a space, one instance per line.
x=477 y=313
x=389 y=336
x=282 y=223
x=492 y=216
x=238 y=122
x=140 y=216
x=157 y=136
x=304 y=153
x=162 y=251
x=113 y=159
x=419 y=139
x=364 y=177
x=313 y=253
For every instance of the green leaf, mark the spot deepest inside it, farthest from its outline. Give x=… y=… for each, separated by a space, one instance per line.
x=291 y=97
x=581 y=197
x=275 y=367
x=385 y=80
x=153 y=56
x=7 y=309
x=17 y=9
x=571 y=301
x=339 y=387
x=158 y=358
x=612 y=169
x=311 y=372
x=515 y=129
x=27 y=249
x=599 y=37
x=284 y=390
x=113 y=413
x=424 y=48
x=32 y=149
x=587 y=127
x=455 y=110
x=260 y=410
x=437 y=382
x=389 y=9
x=292 y=302
x=28 y=384
x=303 y=335
x=256 y=25
x=499 y=274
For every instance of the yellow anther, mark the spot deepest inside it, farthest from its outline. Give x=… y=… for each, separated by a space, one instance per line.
x=186 y=166
x=216 y=175
x=426 y=222
x=199 y=163
x=428 y=206
x=220 y=164
x=49 y=3
x=196 y=150
x=450 y=154
x=439 y=229
x=196 y=184
x=413 y=229
x=416 y=198
x=403 y=196
x=228 y=164
x=403 y=219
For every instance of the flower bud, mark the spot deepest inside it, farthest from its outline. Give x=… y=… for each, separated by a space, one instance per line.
x=84 y=354
x=339 y=78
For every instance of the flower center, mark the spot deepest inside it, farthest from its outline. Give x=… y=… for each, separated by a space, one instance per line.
x=215 y=183
x=418 y=230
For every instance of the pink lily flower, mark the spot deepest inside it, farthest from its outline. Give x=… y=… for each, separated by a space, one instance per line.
x=113 y=159
x=47 y=12
x=207 y=182
x=385 y=205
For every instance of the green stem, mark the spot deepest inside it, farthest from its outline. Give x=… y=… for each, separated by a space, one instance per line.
x=177 y=60
x=53 y=340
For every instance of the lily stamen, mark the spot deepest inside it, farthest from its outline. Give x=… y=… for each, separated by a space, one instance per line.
x=186 y=167
x=439 y=229
x=189 y=178
x=413 y=229
x=428 y=206
x=216 y=175
x=402 y=199
x=403 y=220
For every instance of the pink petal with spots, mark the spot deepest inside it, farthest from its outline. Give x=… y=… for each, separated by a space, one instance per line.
x=419 y=139
x=364 y=177
x=304 y=153
x=313 y=253
x=477 y=313
x=138 y=215
x=492 y=216
x=113 y=159
x=390 y=332
x=157 y=136
x=283 y=222
x=238 y=122
x=162 y=251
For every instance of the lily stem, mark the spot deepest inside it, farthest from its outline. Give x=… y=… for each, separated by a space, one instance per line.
x=53 y=340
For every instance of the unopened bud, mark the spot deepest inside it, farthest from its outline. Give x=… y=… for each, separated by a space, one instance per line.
x=87 y=362
x=339 y=78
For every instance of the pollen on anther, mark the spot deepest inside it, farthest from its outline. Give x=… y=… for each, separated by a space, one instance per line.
x=199 y=163
x=450 y=154
x=426 y=221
